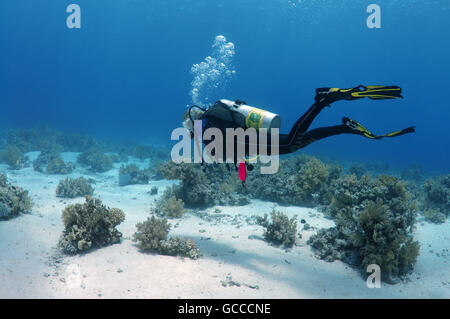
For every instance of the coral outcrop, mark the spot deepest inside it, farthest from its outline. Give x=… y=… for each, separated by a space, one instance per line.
x=131 y=174
x=301 y=180
x=14 y=157
x=45 y=157
x=58 y=166
x=168 y=205
x=436 y=204
x=358 y=170
x=152 y=236
x=374 y=225
x=207 y=186
x=51 y=162
x=74 y=187
x=280 y=230
x=89 y=225
x=13 y=199
x=96 y=160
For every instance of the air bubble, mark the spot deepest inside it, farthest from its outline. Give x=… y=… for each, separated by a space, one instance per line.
x=213 y=74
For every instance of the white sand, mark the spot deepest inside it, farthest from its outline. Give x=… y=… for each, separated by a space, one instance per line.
x=28 y=270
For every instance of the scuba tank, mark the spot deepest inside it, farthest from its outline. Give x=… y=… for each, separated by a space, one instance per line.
x=249 y=116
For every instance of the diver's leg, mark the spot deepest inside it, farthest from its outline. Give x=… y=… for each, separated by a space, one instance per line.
x=304 y=122
x=323 y=132
x=285 y=144
x=266 y=147
x=303 y=140
x=348 y=126
x=326 y=96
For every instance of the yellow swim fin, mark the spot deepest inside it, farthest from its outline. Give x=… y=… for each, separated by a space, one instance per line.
x=365 y=132
x=378 y=92
x=374 y=92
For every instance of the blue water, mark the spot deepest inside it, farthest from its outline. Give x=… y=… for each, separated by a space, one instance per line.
x=126 y=73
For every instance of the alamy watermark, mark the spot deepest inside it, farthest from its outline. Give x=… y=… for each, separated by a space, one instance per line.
x=374 y=279
x=241 y=145
x=73 y=276
x=73 y=21
x=374 y=19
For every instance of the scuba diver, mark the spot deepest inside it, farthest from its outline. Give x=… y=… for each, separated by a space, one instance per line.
x=227 y=114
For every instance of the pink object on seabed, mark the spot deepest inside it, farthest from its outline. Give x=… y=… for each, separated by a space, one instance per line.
x=242 y=171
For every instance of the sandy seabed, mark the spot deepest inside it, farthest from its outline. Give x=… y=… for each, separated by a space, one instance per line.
x=236 y=262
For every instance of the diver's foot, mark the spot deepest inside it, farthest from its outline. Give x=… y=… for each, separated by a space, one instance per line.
x=357 y=128
x=327 y=96
x=330 y=95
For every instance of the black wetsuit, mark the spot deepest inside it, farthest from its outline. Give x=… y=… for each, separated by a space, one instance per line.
x=223 y=116
x=297 y=138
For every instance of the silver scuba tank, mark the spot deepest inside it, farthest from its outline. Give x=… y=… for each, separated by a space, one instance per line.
x=254 y=117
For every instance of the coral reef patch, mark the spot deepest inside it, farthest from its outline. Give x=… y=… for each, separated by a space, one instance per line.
x=13 y=199
x=13 y=157
x=207 y=186
x=152 y=236
x=74 y=187
x=58 y=166
x=168 y=205
x=96 y=160
x=89 y=225
x=131 y=174
x=436 y=203
x=374 y=225
x=280 y=230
